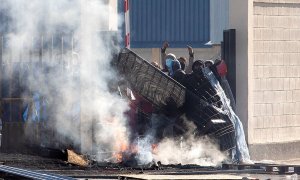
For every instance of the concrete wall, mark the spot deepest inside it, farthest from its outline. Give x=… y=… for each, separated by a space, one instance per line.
x=276 y=71
x=268 y=75
x=238 y=19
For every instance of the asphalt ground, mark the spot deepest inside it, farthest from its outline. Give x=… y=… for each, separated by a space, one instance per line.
x=115 y=171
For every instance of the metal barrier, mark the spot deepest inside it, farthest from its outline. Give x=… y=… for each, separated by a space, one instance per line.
x=7 y=171
x=148 y=81
x=58 y=51
x=158 y=88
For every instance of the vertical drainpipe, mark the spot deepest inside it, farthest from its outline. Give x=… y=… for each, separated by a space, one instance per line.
x=1 y=51
x=127 y=23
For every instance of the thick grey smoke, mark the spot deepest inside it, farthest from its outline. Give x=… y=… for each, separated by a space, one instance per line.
x=190 y=150
x=75 y=85
x=187 y=149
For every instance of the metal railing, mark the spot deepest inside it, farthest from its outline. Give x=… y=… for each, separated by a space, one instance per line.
x=34 y=55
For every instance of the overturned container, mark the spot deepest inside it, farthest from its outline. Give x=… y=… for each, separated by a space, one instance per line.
x=208 y=111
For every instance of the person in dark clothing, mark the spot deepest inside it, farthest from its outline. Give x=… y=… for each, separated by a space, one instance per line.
x=179 y=74
x=197 y=66
x=213 y=66
x=193 y=81
x=182 y=61
x=184 y=79
x=208 y=63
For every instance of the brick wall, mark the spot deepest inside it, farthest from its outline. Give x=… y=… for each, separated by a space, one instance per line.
x=276 y=71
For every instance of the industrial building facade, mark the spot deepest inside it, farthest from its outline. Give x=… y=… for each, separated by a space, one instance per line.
x=180 y=22
x=267 y=58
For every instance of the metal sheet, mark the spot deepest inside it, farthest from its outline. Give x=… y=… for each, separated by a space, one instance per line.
x=30 y=174
x=219 y=19
x=180 y=22
x=149 y=81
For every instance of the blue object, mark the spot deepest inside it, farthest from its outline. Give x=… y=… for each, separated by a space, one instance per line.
x=39 y=109
x=35 y=114
x=170 y=65
x=180 y=22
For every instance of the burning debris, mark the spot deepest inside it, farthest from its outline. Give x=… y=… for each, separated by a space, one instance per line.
x=130 y=114
x=58 y=65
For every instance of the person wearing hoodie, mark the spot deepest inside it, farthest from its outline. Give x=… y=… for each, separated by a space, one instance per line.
x=192 y=81
x=171 y=64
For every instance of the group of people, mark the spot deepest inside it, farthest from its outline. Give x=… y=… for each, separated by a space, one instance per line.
x=186 y=72
x=192 y=76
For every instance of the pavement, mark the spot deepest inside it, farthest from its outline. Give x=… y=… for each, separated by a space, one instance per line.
x=114 y=171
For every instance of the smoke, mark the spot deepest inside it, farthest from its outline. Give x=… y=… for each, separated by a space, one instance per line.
x=190 y=150
x=72 y=90
x=186 y=149
x=66 y=38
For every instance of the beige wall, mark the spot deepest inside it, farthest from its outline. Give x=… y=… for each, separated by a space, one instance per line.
x=268 y=73
x=276 y=72
x=238 y=19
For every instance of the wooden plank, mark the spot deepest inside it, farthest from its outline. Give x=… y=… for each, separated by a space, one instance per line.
x=74 y=158
x=282 y=168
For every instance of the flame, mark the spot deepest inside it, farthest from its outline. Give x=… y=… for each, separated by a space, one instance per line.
x=125 y=152
x=118 y=155
x=120 y=138
x=154 y=148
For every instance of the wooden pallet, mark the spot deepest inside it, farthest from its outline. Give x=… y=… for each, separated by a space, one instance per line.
x=177 y=177
x=269 y=168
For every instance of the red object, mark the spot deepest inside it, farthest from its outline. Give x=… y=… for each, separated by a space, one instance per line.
x=127 y=23
x=126 y=7
x=139 y=104
x=222 y=68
